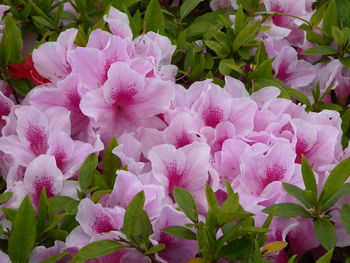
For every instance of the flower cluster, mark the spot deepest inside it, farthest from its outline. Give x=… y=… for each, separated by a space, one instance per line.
x=168 y=136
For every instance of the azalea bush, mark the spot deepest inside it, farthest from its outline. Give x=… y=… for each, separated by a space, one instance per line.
x=175 y=131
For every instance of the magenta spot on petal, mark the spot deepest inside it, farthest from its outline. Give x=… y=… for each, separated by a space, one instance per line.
x=283 y=73
x=37 y=138
x=174 y=176
x=72 y=99
x=183 y=140
x=166 y=239
x=39 y=183
x=60 y=155
x=273 y=173
x=5 y=108
x=124 y=95
x=300 y=149
x=212 y=115
x=102 y=224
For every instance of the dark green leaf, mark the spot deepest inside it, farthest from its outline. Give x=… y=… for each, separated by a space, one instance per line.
x=87 y=171
x=95 y=250
x=11 y=43
x=299 y=96
x=154 y=17
x=132 y=213
x=246 y=35
x=330 y=18
x=10 y=213
x=63 y=203
x=228 y=209
x=180 y=232
x=320 y=50
x=288 y=210
x=345 y=61
x=186 y=202
x=155 y=249
x=143 y=229
x=188 y=6
x=318 y=15
x=111 y=162
x=345 y=217
x=325 y=233
x=240 y=20
x=55 y=258
x=42 y=211
x=335 y=180
x=21 y=86
x=4 y=197
x=343 y=190
x=308 y=176
x=22 y=236
x=264 y=70
x=298 y=193
x=40 y=22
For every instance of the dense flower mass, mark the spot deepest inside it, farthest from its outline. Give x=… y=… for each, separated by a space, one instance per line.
x=168 y=136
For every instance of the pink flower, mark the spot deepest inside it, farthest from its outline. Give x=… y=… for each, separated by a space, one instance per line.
x=176 y=250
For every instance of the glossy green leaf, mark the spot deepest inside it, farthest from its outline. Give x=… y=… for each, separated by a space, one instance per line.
x=320 y=50
x=96 y=249
x=330 y=18
x=87 y=171
x=186 y=202
x=299 y=96
x=4 y=197
x=188 y=6
x=287 y=210
x=11 y=43
x=335 y=180
x=297 y=193
x=55 y=258
x=180 y=232
x=23 y=234
x=132 y=213
x=155 y=249
x=246 y=35
x=308 y=176
x=325 y=233
x=154 y=18
x=345 y=217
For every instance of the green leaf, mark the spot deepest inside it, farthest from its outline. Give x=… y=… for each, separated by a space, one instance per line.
x=298 y=193
x=95 y=250
x=63 y=203
x=186 y=202
x=143 y=229
x=87 y=171
x=96 y=196
x=345 y=217
x=246 y=35
x=339 y=36
x=318 y=15
x=132 y=213
x=240 y=20
x=325 y=233
x=330 y=18
x=320 y=50
x=308 y=176
x=335 y=180
x=21 y=86
x=287 y=210
x=42 y=211
x=10 y=213
x=293 y=259
x=343 y=190
x=220 y=50
x=345 y=61
x=154 y=17
x=40 y=22
x=11 y=43
x=55 y=258
x=264 y=70
x=326 y=258
x=180 y=232
x=228 y=208
x=136 y=23
x=211 y=198
x=188 y=6
x=4 y=197
x=22 y=236
x=299 y=96
x=155 y=249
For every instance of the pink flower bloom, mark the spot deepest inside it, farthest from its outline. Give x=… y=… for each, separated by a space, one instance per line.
x=126 y=100
x=186 y=167
x=118 y=23
x=176 y=250
x=50 y=59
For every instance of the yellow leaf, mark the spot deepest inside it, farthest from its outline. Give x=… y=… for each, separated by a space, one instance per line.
x=273 y=247
x=196 y=260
